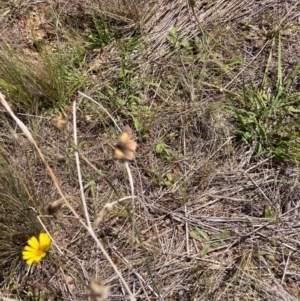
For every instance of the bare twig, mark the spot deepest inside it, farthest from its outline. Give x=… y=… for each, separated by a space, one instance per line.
x=285 y=267
x=84 y=206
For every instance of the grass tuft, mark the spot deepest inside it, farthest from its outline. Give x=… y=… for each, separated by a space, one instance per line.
x=42 y=79
x=17 y=215
x=267 y=116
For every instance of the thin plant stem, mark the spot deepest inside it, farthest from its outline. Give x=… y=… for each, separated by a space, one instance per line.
x=98 y=104
x=84 y=206
x=83 y=157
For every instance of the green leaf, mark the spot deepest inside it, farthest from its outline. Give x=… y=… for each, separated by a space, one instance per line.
x=137 y=124
x=88 y=184
x=204 y=250
x=271 y=257
x=201 y=233
x=220 y=236
x=170 y=177
x=194 y=235
x=160 y=146
x=233 y=62
x=173 y=36
x=168 y=183
x=174 y=32
x=268 y=211
x=292 y=109
x=187 y=45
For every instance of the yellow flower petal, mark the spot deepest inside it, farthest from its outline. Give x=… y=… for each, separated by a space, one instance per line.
x=29 y=261
x=33 y=242
x=45 y=242
x=30 y=249
x=26 y=255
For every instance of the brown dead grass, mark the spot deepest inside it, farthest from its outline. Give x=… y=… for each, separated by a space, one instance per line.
x=215 y=186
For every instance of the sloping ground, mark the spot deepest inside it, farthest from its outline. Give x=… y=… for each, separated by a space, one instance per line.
x=214 y=221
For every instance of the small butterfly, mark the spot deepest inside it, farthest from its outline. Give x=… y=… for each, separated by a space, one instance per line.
x=125 y=147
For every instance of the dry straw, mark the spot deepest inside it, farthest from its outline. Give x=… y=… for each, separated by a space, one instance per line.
x=56 y=182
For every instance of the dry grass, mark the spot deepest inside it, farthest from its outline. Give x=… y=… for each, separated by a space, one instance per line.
x=213 y=220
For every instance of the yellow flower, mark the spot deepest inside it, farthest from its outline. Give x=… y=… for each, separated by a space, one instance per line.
x=37 y=249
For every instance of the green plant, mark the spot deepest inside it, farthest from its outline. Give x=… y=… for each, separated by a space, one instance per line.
x=270 y=120
x=188 y=47
x=216 y=240
x=103 y=34
x=162 y=148
x=42 y=79
x=173 y=37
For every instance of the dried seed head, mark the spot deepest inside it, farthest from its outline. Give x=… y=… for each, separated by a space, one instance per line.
x=54 y=208
x=88 y=118
x=97 y=291
x=125 y=147
x=59 y=123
